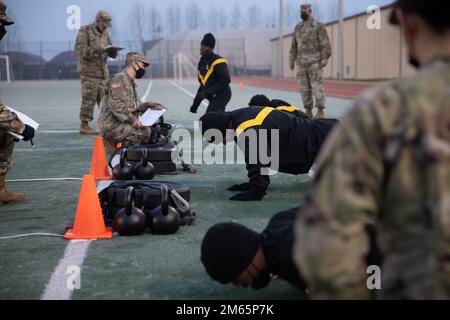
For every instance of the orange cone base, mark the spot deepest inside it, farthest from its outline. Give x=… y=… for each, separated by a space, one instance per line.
x=70 y=235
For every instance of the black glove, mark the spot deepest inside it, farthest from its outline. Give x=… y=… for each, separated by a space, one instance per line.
x=28 y=133
x=240 y=187
x=248 y=196
x=193 y=109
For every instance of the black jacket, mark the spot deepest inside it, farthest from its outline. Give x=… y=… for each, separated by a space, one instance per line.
x=278 y=240
x=300 y=140
x=213 y=77
x=287 y=107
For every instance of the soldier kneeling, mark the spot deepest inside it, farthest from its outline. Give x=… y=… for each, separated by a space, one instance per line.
x=120 y=108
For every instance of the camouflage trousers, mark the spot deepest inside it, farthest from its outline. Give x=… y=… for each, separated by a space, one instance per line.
x=6 y=151
x=126 y=134
x=92 y=91
x=310 y=79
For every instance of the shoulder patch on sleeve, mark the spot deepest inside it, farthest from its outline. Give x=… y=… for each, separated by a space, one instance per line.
x=116 y=85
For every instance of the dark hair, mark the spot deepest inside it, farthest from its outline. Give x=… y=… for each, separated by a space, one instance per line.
x=435 y=13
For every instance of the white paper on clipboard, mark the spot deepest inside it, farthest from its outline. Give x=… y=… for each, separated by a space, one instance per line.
x=25 y=119
x=150 y=117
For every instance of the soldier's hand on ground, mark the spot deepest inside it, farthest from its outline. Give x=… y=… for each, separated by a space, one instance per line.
x=248 y=196
x=193 y=109
x=28 y=133
x=240 y=187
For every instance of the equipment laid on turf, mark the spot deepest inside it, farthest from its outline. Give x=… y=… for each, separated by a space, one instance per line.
x=158 y=200
x=124 y=170
x=164 y=219
x=130 y=221
x=145 y=169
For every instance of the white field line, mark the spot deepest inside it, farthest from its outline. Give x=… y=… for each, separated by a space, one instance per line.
x=147 y=92
x=44 y=180
x=58 y=288
x=190 y=94
x=74 y=255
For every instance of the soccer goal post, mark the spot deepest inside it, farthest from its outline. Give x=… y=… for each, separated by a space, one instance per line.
x=183 y=68
x=5 y=68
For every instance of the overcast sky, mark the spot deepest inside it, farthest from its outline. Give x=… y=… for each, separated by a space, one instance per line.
x=45 y=20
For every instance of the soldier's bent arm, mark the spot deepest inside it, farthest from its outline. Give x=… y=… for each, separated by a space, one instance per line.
x=9 y=121
x=324 y=41
x=294 y=49
x=331 y=243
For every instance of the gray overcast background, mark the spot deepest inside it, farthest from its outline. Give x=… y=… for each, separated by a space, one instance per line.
x=45 y=20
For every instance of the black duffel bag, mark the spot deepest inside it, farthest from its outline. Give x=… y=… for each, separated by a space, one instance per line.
x=147 y=196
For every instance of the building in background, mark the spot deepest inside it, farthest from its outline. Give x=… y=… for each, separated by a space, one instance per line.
x=368 y=54
x=247 y=52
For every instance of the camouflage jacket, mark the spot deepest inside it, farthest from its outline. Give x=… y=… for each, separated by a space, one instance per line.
x=387 y=165
x=9 y=121
x=89 y=46
x=310 y=44
x=120 y=103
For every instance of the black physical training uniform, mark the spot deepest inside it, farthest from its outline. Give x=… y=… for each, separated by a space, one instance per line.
x=214 y=81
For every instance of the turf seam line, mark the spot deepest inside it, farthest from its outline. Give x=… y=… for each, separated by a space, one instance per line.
x=147 y=92
x=44 y=180
x=42 y=234
x=190 y=94
x=74 y=255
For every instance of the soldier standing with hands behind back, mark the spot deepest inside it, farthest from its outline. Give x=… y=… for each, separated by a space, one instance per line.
x=91 y=47
x=310 y=51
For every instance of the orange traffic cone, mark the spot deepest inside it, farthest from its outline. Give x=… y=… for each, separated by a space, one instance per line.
x=99 y=165
x=241 y=85
x=89 y=223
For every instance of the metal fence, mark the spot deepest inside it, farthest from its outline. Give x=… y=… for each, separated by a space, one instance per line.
x=34 y=60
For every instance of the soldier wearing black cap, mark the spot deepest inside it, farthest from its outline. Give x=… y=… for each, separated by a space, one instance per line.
x=299 y=142
x=264 y=255
x=261 y=100
x=214 y=78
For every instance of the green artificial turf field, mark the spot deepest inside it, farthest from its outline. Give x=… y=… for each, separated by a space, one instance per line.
x=144 y=267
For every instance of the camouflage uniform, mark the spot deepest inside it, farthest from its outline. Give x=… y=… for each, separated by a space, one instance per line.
x=8 y=122
x=310 y=48
x=120 y=108
x=90 y=45
x=387 y=165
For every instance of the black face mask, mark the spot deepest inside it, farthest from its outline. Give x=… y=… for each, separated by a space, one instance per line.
x=414 y=62
x=140 y=73
x=2 y=32
x=304 y=16
x=262 y=281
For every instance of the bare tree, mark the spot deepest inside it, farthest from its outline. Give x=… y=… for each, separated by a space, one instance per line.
x=236 y=17
x=222 y=18
x=173 y=19
x=271 y=20
x=155 y=23
x=138 y=25
x=334 y=11
x=292 y=14
x=253 y=16
x=193 y=16
x=213 y=21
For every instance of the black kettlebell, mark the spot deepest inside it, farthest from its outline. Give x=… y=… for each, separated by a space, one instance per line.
x=144 y=170
x=124 y=170
x=164 y=219
x=129 y=221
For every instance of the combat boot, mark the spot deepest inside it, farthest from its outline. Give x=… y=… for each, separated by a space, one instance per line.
x=9 y=197
x=85 y=129
x=320 y=114
x=309 y=113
